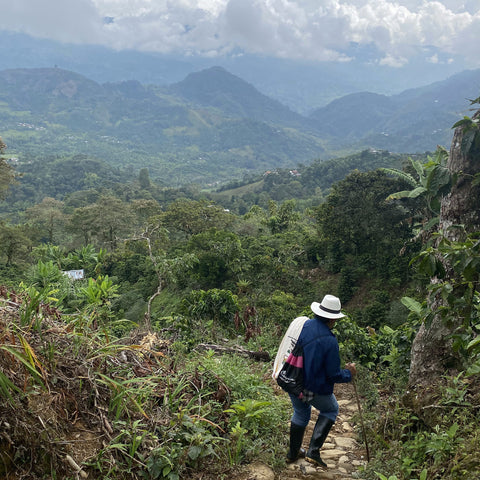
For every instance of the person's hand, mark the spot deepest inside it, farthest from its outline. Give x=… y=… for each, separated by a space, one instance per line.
x=352 y=368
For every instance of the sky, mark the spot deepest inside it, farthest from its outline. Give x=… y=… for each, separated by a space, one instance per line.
x=393 y=31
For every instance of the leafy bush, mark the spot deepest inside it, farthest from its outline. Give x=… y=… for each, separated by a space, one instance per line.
x=211 y=307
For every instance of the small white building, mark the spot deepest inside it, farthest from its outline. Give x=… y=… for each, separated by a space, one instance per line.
x=74 y=274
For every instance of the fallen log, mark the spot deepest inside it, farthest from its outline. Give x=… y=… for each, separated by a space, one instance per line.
x=260 y=356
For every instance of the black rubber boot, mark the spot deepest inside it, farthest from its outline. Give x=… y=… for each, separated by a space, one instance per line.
x=320 y=432
x=296 y=438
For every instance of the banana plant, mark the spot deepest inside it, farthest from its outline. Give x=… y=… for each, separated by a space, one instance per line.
x=432 y=182
x=99 y=291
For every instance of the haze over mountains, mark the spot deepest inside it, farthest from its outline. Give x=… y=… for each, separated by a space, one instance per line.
x=300 y=85
x=212 y=125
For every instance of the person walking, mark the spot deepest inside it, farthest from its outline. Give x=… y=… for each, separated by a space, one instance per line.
x=321 y=364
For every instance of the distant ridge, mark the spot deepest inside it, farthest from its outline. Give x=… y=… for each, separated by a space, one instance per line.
x=213 y=125
x=34 y=88
x=354 y=115
x=302 y=86
x=412 y=121
x=130 y=125
x=216 y=87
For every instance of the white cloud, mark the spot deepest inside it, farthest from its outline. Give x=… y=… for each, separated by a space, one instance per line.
x=64 y=20
x=305 y=29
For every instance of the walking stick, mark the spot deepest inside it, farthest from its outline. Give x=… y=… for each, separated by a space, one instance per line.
x=361 y=419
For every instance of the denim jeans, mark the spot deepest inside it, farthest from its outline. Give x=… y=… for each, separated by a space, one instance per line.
x=327 y=405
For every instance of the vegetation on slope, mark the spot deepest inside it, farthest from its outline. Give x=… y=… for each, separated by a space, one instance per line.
x=213 y=126
x=116 y=373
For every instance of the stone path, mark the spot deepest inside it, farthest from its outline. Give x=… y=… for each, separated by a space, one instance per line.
x=341 y=452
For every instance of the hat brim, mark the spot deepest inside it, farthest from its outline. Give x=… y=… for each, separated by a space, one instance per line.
x=317 y=310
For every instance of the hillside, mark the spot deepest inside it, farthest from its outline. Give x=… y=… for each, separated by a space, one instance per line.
x=213 y=126
x=302 y=86
x=412 y=121
x=135 y=126
x=215 y=87
x=139 y=322
x=354 y=115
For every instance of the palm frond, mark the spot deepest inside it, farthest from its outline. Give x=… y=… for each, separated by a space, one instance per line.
x=401 y=174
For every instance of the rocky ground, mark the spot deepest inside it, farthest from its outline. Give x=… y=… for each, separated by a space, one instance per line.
x=342 y=451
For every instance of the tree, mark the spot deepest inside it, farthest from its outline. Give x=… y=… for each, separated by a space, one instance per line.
x=192 y=217
x=219 y=256
x=48 y=216
x=357 y=225
x=144 y=179
x=82 y=222
x=432 y=352
x=144 y=210
x=7 y=174
x=15 y=243
x=281 y=217
x=432 y=183
x=215 y=304
x=106 y=220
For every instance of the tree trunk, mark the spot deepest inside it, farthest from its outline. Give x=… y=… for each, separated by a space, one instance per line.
x=432 y=354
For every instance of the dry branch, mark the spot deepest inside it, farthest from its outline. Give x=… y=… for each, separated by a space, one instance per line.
x=260 y=356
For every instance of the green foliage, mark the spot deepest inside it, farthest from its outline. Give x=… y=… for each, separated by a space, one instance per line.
x=237 y=443
x=432 y=181
x=212 y=307
x=161 y=463
x=408 y=449
x=386 y=351
x=471 y=132
x=281 y=217
x=30 y=364
x=393 y=347
x=278 y=308
x=126 y=452
x=44 y=275
x=201 y=314
x=307 y=185
x=241 y=378
x=219 y=255
x=31 y=314
x=86 y=258
x=249 y=414
x=98 y=295
x=353 y=224
x=192 y=217
x=323 y=174
x=15 y=246
x=57 y=176
x=48 y=218
x=210 y=275
x=128 y=395
x=6 y=388
x=458 y=292
x=254 y=412
x=99 y=291
x=423 y=476
x=435 y=448
x=7 y=174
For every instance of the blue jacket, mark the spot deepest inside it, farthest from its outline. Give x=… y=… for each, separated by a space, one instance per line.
x=321 y=358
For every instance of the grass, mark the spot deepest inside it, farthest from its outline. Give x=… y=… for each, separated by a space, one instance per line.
x=163 y=411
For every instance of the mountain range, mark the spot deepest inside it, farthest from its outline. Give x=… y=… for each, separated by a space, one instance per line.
x=213 y=126
x=301 y=85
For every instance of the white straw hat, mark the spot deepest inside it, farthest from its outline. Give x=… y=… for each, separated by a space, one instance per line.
x=329 y=308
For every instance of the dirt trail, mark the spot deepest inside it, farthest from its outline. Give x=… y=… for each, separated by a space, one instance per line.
x=341 y=451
